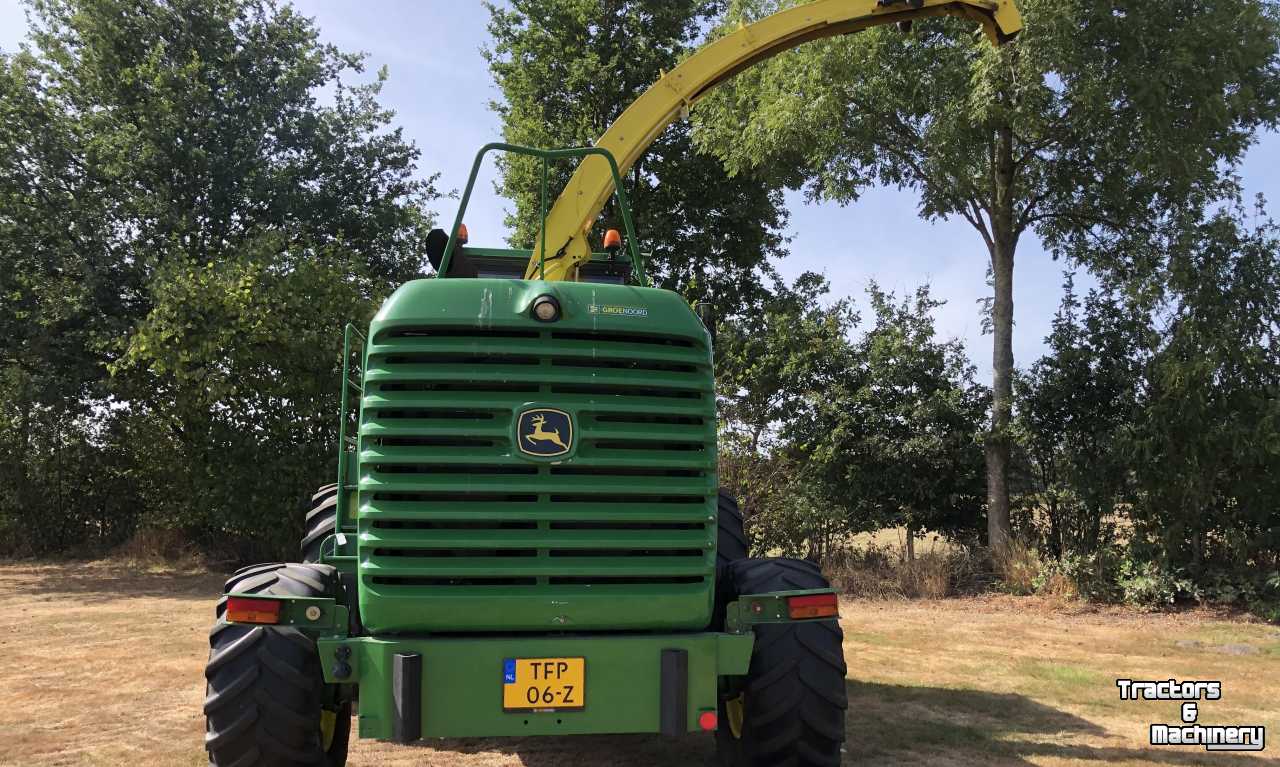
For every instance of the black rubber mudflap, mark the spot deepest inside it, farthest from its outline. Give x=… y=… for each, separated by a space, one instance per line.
x=674 y=692
x=406 y=697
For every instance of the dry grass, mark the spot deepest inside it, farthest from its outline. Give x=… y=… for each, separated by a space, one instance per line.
x=153 y=549
x=879 y=574
x=1018 y=565
x=874 y=566
x=103 y=667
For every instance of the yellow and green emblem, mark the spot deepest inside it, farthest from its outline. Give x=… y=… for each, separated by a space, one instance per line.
x=544 y=432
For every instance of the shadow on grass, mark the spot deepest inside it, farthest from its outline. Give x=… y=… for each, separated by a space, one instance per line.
x=900 y=724
x=96 y=582
x=887 y=724
x=589 y=750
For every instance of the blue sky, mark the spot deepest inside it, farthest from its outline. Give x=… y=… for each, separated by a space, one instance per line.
x=440 y=89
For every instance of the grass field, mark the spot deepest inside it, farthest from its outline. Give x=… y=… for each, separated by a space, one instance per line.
x=102 y=666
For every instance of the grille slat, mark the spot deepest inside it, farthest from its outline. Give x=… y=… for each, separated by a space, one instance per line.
x=595 y=408
x=615 y=511
x=594 y=430
x=507 y=567
x=632 y=380
x=457 y=459
x=411 y=539
x=434 y=428
x=595 y=484
x=444 y=459
x=547 y=348
x=479 y=400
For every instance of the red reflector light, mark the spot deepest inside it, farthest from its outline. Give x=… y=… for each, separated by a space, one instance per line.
x=707 y=721
x=813 y=606
x=241 y=610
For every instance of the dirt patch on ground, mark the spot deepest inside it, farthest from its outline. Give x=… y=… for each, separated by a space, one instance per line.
x=103 y=666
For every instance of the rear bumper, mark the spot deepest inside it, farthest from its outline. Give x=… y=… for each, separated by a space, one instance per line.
x=634 y=683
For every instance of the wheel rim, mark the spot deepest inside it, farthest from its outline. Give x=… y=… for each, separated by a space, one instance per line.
x=735 y=711
x=328 y=727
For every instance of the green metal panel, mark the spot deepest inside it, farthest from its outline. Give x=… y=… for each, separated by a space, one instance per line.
x=315 y=615
x=462 y=681
x=460 y=531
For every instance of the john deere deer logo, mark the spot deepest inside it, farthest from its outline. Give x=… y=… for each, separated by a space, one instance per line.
x=544 y=432
x=540 y=434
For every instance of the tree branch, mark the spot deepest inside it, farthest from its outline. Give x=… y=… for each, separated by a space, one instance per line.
x=973 y=214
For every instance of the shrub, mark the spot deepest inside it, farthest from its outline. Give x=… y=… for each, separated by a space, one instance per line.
x=880 y=572
x=1093 y=577
x=928 y=576
x=1146 y=584
x=1018 y=565
x=868 y=573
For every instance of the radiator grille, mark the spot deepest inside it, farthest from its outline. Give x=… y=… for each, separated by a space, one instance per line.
x=448 y=507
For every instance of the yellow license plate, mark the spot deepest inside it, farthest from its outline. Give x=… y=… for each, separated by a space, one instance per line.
x=543 y=684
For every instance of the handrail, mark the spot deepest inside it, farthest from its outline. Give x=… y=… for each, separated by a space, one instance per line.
x=537 y=268
x=350 y=332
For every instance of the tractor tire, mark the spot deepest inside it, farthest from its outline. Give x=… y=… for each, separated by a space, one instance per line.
x=790 y=708
x=731 y=540
x=247 y=580
x=321 y=522
x=731 y=546
x=265 y=702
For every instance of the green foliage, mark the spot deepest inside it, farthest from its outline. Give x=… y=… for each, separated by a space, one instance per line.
x=1095 y=575
x=780 y=361
x=771 y=369
x=823 y=437
x=1146 y=584
x=1089 y=131
x=186 y=226
x=896 y=436
x=1076 y=409
x=1207 y=453
x=567 y=69
x=1115 y=115
x=1157 y=409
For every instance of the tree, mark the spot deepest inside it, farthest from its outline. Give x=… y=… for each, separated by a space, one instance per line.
x=822 y=436
x=772 y=370
x=566 y=70
x=1077 y=407
x=1206 y=454
x=64 y=301
x=1154 y=423
x=1096 y=125
x=896 y=438
x=198 y=227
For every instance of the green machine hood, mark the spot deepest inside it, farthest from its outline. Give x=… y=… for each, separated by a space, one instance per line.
x=518 y=475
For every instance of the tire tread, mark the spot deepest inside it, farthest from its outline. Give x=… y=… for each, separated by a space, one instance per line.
x=795 y=690
x=263 y=698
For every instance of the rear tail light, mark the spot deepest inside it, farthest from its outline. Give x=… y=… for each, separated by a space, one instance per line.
x=707 y=720
x=241 y=610
x=813 y=606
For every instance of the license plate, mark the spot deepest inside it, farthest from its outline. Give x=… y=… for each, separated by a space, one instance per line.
x=543 y=684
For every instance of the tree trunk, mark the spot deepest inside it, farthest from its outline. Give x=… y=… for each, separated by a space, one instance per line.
x=1004 y=244
x=22 y=456
x=911 y=543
